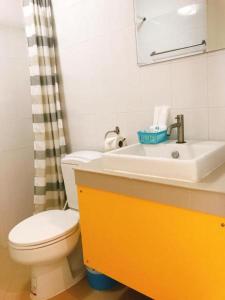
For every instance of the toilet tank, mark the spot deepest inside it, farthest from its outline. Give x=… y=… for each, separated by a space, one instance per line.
x=68 y=163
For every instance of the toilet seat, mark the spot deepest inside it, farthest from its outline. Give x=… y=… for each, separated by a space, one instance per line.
x=46 y=244
x=44 y=228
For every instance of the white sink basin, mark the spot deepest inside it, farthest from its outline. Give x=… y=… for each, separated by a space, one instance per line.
x=196 y=160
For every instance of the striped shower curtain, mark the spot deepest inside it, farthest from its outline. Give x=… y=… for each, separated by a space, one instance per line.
x=49 y=141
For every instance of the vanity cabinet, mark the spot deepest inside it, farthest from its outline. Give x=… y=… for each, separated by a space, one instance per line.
x=162 y=251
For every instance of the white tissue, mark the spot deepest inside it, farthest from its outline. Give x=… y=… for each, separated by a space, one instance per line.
x=157 y=128
x=161 y=115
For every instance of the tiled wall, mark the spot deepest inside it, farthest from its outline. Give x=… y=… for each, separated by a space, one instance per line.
x=16 y=154
x=104 y=87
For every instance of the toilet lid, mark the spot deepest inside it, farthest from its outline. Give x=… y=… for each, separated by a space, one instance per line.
x=44 y=227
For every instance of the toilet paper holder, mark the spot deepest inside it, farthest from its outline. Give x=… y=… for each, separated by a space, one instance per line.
x=121 y=141
x=116 y=131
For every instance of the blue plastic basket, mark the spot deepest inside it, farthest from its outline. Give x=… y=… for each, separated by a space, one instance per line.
x=99 y=281
x=152 y=138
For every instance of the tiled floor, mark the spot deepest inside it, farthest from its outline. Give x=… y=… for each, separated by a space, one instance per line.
x=14 y=285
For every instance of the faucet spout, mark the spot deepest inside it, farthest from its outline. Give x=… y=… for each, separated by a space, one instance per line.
x=180 y=129
x=171 y=127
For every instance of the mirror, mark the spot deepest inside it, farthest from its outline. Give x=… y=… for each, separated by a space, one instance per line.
x=168 y=29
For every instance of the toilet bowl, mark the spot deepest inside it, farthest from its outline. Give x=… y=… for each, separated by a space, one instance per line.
x=30 y=243
x=44 y=241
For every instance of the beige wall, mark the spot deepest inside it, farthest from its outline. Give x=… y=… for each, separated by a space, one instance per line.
x=104 y=87
x=16 y=154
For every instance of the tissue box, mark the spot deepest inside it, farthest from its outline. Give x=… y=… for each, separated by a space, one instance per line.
x=152 y=137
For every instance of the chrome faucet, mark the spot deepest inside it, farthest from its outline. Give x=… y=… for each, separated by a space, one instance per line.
x=180 y=129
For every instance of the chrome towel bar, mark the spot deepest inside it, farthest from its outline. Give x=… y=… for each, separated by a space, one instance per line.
x=163 y=52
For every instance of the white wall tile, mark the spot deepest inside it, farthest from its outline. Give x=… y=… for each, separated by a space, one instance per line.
x=82 y=131
x=217 y=123
x=155 y=86
x=16 y=191
x=16 y=150
x=16 y=133
x=98 y=23
x=189 y=82
x=216 y=79
x=11 y=13
x=121 y=14
x=12 y=38
x=195 y=121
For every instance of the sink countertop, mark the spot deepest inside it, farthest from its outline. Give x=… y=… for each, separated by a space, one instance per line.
x=215 y=182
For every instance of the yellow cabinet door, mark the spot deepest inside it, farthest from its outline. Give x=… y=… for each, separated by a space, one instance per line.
x=164 y=252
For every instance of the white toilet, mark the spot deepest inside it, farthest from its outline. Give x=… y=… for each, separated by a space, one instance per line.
x=45 y=240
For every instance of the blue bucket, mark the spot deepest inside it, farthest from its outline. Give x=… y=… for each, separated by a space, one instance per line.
x=99 y=281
